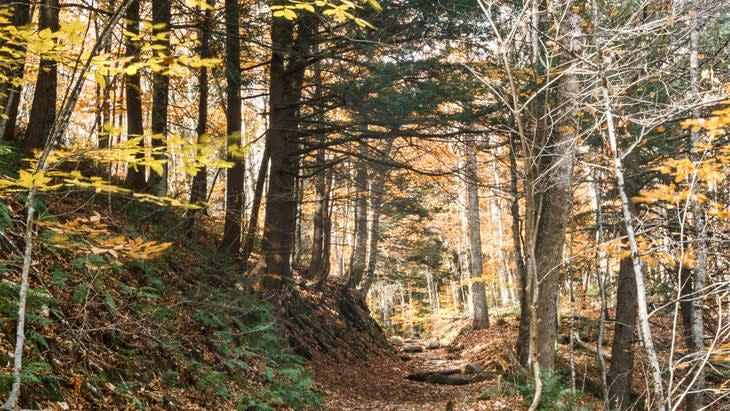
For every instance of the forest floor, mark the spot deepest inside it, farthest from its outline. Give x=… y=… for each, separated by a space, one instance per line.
x=383 y=384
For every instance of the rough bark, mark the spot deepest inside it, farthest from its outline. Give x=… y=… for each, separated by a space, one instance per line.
x=199 y=188
x=10 y=102
x=376 y=205
x=321 y=201
x=696 y=341
x=286 y=76
x=43 y=109
x=624 y=337
x=157 y=183
x=556 y=196
x=253 y=222
x=135 y=174
x=235 y=175
x=518 y=258
x=628 y=217
x=357 y=259
x=480 y=313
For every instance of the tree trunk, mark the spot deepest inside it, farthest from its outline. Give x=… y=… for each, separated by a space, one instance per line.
x=253 y=222
x=286 y=77
x=480 y=313
x=10 y=104
x=376 y=205
x=635 y=261
x=319 y=219
x=135 y=174
x=552 y=210
x=235 y=175
x=696 y=341
x=199 y=188
x=157 y=183
x=357 y=259
x=43 y=110
x=523 y=334
x=622 y=349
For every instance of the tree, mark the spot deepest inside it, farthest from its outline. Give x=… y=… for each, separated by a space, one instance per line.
x=235 y=175
x=357 y=259
x=10 y=93
x=161 y=14
x=135 y=127
x=290 y=42
x=43 y=110
x=199 y=187
x=480 y=314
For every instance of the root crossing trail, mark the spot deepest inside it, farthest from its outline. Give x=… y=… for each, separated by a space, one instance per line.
x=422 y=379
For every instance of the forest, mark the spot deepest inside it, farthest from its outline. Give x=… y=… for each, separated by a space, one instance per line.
x=364 y=205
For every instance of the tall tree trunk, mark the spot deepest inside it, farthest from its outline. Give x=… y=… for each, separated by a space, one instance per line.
x=518 y=258
x=376 y=205
x=624 y=336
x=357 y=259
x=628 y=216
x=286 y=78
x=319 y=219
x=235 y=175
x=480 y=313
x=43 y=110
x=161 y=12
x=10 y=103
x=324 y=272
x=253 y=222
x=199 y=189
x=135 y=128
x=696 y=341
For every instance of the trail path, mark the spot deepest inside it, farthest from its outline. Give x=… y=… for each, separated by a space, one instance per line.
x=385 y=385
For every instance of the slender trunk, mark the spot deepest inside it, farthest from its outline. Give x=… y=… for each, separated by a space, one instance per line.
x=601 y=283
x=523 y=334
x=199 y=188
x=480 y=313
x=235 y=175
x=43 y=110
x=643 y=314
x=135 y=174
x=696 y=342
x=157 y=183
x=11 y=103
x=318 y=219
x=357 y=259
x=324 y=272
x=253 y=222
x=624 y=336
x=376 y=205
x=297 y=227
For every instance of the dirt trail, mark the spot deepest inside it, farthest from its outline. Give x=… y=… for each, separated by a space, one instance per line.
x=384 y=385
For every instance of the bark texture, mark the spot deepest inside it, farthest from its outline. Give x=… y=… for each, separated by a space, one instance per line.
x=43 y=110
x=480 y=313
x=135 y=128
x=235 y=175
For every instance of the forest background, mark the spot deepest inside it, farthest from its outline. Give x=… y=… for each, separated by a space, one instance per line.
x=540 y=158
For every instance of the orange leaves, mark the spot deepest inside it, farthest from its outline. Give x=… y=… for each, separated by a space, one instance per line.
x=90 y=235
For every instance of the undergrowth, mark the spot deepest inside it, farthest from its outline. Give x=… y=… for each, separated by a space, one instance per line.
x=173 y=331
x=556 y=392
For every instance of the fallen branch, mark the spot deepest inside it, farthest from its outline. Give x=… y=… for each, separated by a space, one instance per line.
x=588 y=347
